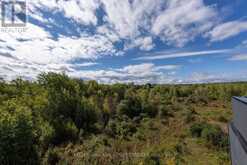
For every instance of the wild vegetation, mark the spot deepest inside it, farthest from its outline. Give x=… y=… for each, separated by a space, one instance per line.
x=60 y=120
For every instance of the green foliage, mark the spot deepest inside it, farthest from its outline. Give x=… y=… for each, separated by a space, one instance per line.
x=37 y=117
x=190 y=115
x=152 y=160
x=51 y=157
x=212 y=134
x=122 y=128
x=17 y=136
x=47 y=134
x=197 y=128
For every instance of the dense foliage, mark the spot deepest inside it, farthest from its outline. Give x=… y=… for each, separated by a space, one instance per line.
x=57 y=119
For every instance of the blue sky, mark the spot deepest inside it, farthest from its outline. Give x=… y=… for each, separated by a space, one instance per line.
x=141 y=41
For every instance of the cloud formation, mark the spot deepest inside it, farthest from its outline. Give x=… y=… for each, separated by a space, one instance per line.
x=183 y=20
x=71 y=35
x=204 y=77
x=168 y=55
x=139 y=73
x=226 y=30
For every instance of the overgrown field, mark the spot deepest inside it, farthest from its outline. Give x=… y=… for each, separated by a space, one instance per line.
x=59 y=120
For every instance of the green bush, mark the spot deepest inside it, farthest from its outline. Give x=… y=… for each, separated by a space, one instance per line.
x=152 y=159
x=46 y=134
x=197 y=128
x=163 y=111
x=17 y=137
x=214 y=135
x=51 y=157
x=122 y=129
x=65 y=131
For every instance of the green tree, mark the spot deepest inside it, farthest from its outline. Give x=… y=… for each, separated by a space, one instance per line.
x=17 y=137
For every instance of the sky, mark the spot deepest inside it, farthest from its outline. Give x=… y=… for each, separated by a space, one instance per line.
x=123 y=41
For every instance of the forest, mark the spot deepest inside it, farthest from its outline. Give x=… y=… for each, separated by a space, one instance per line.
x=56 y=119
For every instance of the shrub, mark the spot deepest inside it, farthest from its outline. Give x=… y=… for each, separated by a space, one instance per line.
x=121 y=129
x=181 y=147
x=150 y=109
x=125 y=129
x=196 y=129
x=223 y=119
x=111 y=128
x=163 y=111
x=215 y=136
x=152 y=159
x=140 y=134
x=51 y=157
x=47 y=133
x=212 y=134
x=17 y=137
x=190 y=116
x=65 y=131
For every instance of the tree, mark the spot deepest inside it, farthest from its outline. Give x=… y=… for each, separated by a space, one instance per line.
x=17 y=137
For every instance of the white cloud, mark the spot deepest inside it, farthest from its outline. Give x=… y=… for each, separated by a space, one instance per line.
x=239 y=57
x=45 y=50
x=50 y=45
x=203 y=77
x=183 y=20
x=182 y=54
x=140 y=74
x=226 y=30
x=168 y=67
x=128 y=18
x=10 y=67
x=106 y=31
x=82 y=11
x=143 y=43
x=175 y=22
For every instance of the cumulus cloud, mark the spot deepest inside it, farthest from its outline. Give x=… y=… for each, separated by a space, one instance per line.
x=226 y=30
x=62 y=32
x=38 y=47
x=143 y=43
x=81 y=11
x=183 y=20
x=139 y=73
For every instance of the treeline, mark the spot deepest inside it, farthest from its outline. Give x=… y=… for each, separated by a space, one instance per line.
x=56 y=109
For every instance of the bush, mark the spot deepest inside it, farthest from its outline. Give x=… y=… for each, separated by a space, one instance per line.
x=47 y=133
x=152 y=160
x=150 y=109
x=214 y=135
x=121 y=129
x=163 y=111
x=65 y=131
x=190 y=115
x=131 y=107
x=196 y=129
x=51 y=157
x=140 y=134
x=17 y=137
x=223 y=119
